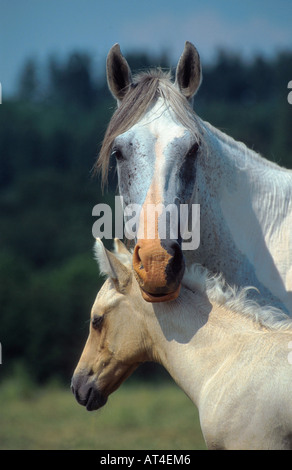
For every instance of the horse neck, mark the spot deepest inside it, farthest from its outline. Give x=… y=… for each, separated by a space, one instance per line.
x=234 y=178
x=236 y=189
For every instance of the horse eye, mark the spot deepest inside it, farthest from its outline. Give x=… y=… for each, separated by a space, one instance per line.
x=117 y=154
x=97 y=322
x=192 y=153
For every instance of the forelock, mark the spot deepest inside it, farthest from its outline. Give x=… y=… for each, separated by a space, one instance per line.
x=146 y=88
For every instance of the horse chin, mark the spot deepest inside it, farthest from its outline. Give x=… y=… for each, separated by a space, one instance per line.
x=155 y=298
x=95 y=402
x=87 y=394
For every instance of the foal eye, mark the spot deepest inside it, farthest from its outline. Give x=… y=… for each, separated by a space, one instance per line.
x=117 y=154
x=97 y=322
x=192 y=153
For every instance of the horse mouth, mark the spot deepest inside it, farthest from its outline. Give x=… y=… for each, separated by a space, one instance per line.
x=88 y=396
x=95 y=400
x=160 y=297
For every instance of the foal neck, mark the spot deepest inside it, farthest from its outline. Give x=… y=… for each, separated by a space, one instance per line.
x=197 y=333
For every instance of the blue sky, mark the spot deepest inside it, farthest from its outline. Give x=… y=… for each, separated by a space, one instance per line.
x=37 y=28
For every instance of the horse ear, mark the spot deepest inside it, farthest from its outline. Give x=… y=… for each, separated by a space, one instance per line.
x=111 y=266
x=119 y=76
x=121 y=249
x=188 y=72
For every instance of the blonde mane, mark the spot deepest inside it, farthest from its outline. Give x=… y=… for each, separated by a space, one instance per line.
x=198 y=278
x=146 y=88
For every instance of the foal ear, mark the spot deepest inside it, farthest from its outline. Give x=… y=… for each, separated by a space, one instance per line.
x=112 y=267
x=119 y=76
x=188 y=72
x=121 y=249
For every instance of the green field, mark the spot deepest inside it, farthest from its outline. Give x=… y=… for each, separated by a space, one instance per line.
x=137 y=416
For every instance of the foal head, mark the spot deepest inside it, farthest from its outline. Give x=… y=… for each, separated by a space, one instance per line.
x=155 y=142
x=114 y=347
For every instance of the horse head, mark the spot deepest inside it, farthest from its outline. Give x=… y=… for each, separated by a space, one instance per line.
x=114 y=347
x=155 y=144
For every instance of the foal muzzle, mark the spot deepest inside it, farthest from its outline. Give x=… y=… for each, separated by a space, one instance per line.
x=86 y=392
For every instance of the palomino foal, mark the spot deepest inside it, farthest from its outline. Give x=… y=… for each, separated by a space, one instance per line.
x=228 y=354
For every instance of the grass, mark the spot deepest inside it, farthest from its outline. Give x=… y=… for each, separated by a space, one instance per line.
x=137 y=416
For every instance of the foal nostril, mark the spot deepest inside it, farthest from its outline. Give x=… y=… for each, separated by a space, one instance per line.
x=75 y=384
x=87 y=393
x=81 y=388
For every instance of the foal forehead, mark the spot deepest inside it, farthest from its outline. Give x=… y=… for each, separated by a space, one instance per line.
x=107 y=298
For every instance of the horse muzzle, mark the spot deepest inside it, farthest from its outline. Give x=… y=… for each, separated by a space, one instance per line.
x=87 y=393
x=159 y=267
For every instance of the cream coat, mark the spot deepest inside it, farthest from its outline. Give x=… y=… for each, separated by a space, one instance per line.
x=228 y=354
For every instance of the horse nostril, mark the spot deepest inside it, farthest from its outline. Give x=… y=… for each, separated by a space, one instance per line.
x=141 y=265
x=177 y=256
x=137 y=258
x=176 y=266
x=75 y=393
x=173 y=248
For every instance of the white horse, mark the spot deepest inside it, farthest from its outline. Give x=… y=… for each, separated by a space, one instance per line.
x=229 y=355
x=166 y=155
